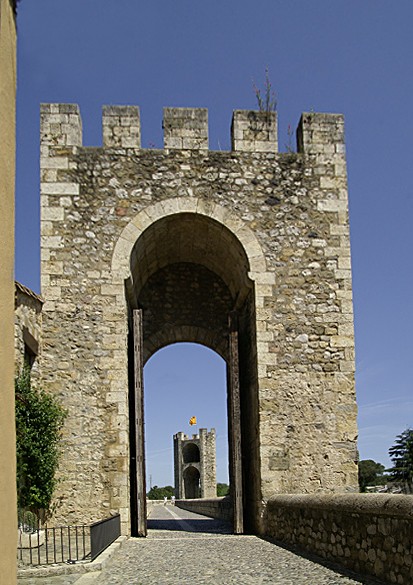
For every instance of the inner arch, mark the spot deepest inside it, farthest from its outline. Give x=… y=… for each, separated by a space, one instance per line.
x=188 y=272
x=190 y=453
x=191 y=483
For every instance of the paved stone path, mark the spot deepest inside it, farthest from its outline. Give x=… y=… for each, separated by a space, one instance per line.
x=183 y=548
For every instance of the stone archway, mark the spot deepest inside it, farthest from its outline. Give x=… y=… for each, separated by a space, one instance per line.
x=120 y=265
x=188 y=273
x=190 y=453
x=191 y=483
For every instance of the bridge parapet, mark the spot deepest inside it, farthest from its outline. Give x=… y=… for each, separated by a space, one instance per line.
x=220 y=508
x=368 y=533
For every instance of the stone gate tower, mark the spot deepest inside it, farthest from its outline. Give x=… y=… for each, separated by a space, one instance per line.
x=245 y=251
x=195 y=465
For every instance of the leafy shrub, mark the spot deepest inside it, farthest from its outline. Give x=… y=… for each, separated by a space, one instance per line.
x=39 y=419
x=222 y=489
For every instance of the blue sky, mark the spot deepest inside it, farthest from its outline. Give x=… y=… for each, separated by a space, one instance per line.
x=326 y=55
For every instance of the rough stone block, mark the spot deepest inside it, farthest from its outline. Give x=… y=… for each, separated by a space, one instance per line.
x=60 y=124
x=121 y=127
x=178 y=121
x=254 y=131
x=320 y=133
x=60 y=189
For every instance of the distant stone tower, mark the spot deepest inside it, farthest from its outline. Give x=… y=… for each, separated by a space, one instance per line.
x=194 y=465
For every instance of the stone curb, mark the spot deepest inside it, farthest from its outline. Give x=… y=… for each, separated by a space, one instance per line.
x=81 y=567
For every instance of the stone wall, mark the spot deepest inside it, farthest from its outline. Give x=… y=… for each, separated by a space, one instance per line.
x=8 y=505
x=268 y=234
x=27 y=327
x=220 y=508
x=207 y=440
x=371 y=534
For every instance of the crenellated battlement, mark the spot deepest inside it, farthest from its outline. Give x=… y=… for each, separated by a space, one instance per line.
x=187 y=129
x=121 y=126
x=254 y=131
x=60 y=125
x=195 y=437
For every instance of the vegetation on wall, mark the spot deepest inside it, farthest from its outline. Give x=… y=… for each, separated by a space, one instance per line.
x=267 y=101
x=39 y=419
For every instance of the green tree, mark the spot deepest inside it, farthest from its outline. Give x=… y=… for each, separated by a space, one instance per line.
x=39 y=419
x=370 y=473
x=222 y=489
x=401 y=455
x=158 y=493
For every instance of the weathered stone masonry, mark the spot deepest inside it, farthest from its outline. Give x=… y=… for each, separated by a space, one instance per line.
x=267 y=231
x=27 y=328
x=195 y=465
x=368 y=533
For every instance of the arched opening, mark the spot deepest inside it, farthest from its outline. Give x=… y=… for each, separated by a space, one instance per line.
x=191 y=483
x=189 y=283
x=190 y=453
x=180 y=381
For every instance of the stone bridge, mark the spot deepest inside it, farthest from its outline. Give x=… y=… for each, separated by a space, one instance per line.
x=364 y=536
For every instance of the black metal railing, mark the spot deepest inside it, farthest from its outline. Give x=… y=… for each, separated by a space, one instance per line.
x=103 y=533
x=41 y=545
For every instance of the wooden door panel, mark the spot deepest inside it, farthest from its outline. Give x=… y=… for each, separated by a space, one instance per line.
x=140 y=423
x=234 y=425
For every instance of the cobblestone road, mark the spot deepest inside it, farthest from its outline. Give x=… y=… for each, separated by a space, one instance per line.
x=183 y=548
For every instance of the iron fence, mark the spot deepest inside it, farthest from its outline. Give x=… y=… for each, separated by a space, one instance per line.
x=41 y=545
x=103 y=533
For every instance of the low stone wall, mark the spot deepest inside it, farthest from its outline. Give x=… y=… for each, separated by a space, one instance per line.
x=369 y=533
x=213 y=507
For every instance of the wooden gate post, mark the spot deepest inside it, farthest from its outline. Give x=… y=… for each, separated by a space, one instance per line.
x=139 y=423
x=234 y=425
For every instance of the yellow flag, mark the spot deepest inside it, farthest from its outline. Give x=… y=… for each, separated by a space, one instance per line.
x=192 y=420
